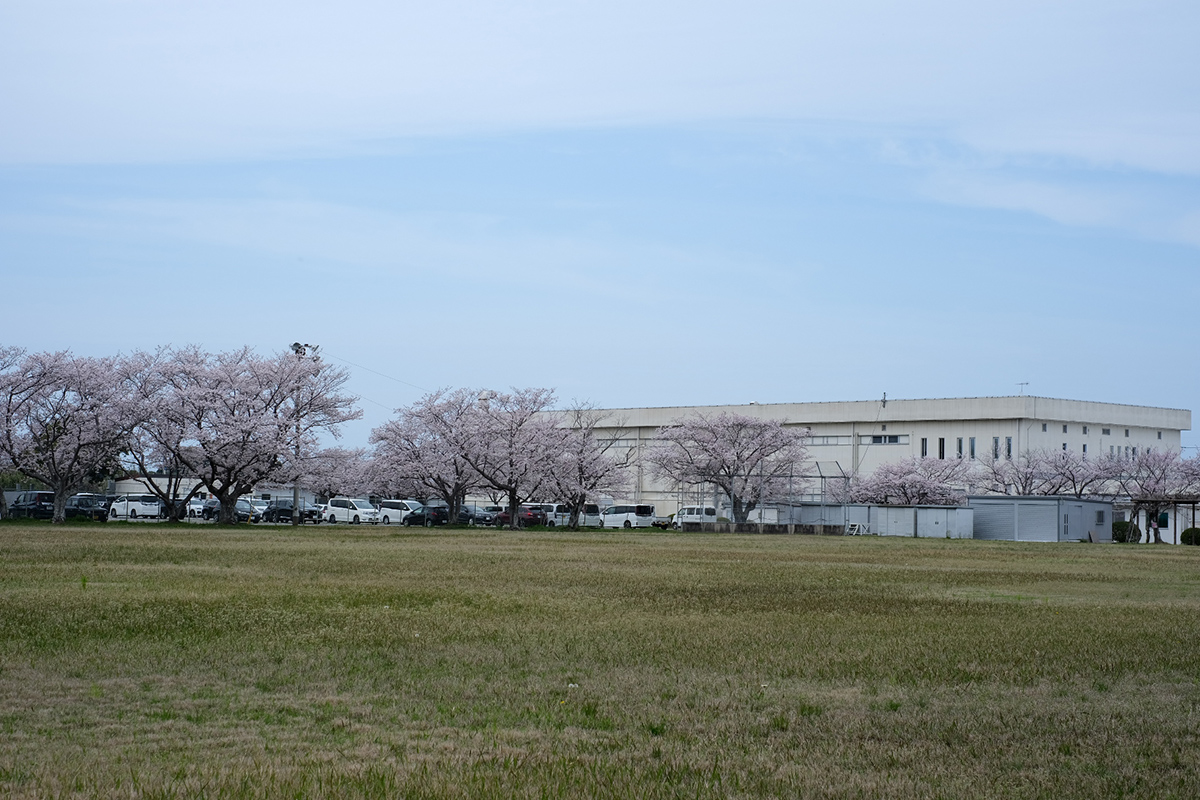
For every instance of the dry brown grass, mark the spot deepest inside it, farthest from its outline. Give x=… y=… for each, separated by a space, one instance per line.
x=160 y=662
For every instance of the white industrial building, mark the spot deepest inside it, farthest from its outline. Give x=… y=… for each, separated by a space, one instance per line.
x=859 y=436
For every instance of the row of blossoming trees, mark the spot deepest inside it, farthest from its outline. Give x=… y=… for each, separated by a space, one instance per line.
x=517 y=448
x=236 y=419
x=230 y=420
x=224 y=422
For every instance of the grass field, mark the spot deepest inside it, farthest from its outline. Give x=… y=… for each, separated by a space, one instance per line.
x=195 y=661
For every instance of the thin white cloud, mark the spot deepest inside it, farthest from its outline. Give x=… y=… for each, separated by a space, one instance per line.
x=134 y=80
x=1070 y=201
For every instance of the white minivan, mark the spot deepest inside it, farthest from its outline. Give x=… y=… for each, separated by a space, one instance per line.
x=693 y=514
x=351 y=509
x=132 y=506
x=560 y=514
x=396 y=510
x=630 y=516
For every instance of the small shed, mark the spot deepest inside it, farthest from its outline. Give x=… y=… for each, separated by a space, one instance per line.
x=934 y=522
x=1041 y=519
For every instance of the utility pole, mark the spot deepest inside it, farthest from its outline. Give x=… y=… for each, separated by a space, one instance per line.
x=301 y=351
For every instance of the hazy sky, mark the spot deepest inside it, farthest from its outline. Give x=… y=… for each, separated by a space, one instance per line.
x=636 y=203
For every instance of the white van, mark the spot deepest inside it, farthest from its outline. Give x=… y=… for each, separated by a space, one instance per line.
x=694 y=514
x=351 y=509
x=132 y=506
x=628 y=517
x=396 y=510
x=560 y=514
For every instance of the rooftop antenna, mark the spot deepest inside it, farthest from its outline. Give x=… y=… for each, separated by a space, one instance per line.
x=1023 y=384
x=885 y=399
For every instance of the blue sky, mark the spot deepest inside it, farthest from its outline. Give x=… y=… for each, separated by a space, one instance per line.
x=635 y=203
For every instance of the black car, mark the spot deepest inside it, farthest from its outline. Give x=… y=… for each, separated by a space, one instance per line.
x=281 y=511
x=87 y=506
x=244 y=512
x=429 y=515
x=32 y=505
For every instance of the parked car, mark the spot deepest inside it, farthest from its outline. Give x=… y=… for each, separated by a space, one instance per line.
x=243 y=511
x=693 y=515
x=195 y=507
x=630 y=516
x=281 y=511
x=560 y=514
x=211 y=508
x=33 y=505
x=396 y=510
x=527 y=516
x=429 y=515
x=87 y=506
x=477 y=515
x=351 y=509
x=133 y=506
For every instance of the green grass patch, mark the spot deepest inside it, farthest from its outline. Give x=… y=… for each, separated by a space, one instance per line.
x=260 y=661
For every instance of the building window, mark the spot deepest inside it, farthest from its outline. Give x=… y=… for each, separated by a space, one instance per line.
x=892 y=438
x=958 y=448
x=1160 y=434
x=1100 y=517
x=1064 y=428
x=829 y=440
x=1085 y=430
x=1008 y=447
x=972 y=448
x=1106 y=431
x=1085 y=449
x=1043 y=427
x=1064 y=445
x=942 y=447
x=995 y=447
x=883 y=428
x=1111 y=450
x=924 y=447
x=1127 y=433
x=1135 y=452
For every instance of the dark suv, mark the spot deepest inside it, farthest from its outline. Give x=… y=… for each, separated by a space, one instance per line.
x=429 y=515
x=33 y=505
x=526 y=516
x=243 y=511
x=281 y=511
x=87 y=506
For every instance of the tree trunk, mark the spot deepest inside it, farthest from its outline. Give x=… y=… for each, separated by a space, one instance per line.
x=3 y=505
x=739 y=513
x=60 y=507
x=512 y=510
x=228 y=513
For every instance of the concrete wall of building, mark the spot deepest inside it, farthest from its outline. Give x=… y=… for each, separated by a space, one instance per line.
x=859 y=435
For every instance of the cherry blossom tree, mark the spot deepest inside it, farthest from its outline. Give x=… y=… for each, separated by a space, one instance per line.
x=509 y=441
x=338 y=471
x=236 y=419
x=1029 y=473
x=588 y=464
x=10 y=357
x=914 y=481
x=419 y=452
x=1077 y=475
x=1153 y=480
x=65 y=420
x=751 y=460
x=157 y=435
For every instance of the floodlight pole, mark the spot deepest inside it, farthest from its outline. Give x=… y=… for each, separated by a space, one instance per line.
x=301 y=350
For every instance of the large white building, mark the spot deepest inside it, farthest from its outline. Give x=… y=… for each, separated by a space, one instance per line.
x=858 y=436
